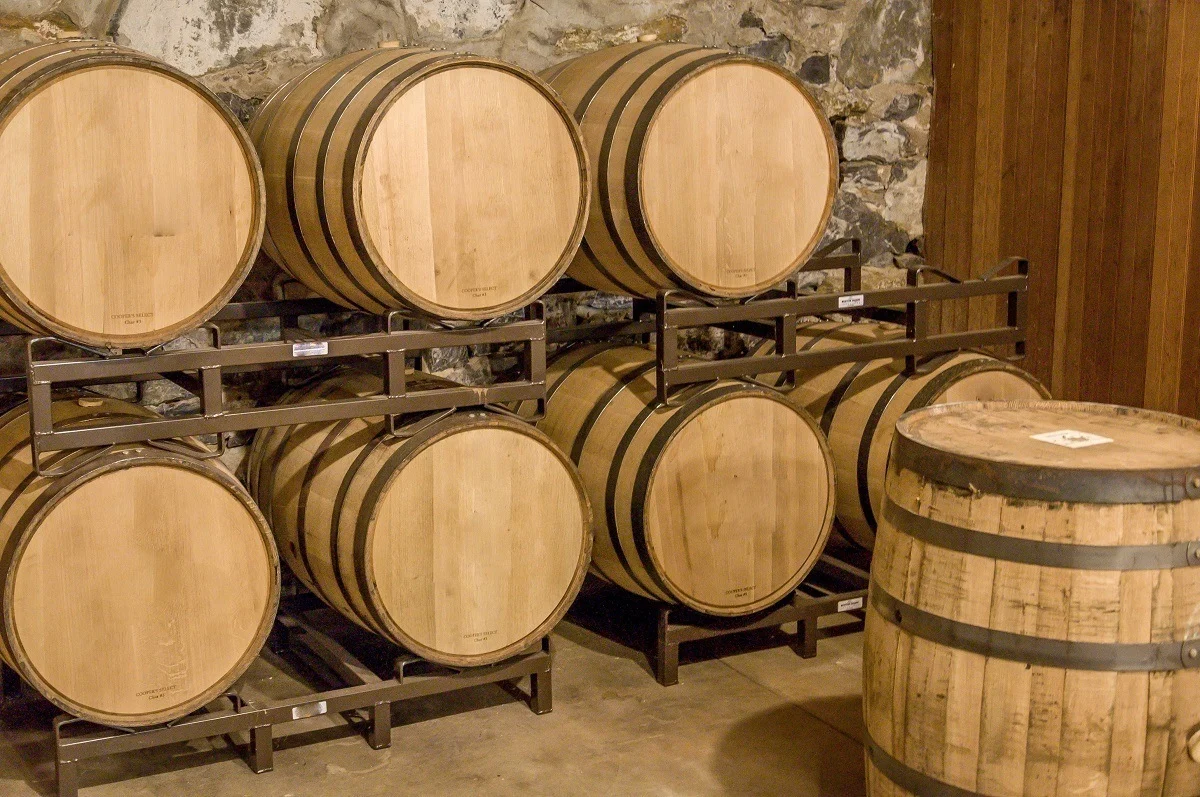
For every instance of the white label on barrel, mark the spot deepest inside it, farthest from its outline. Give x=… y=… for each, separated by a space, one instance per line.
x=314 y=349
x=1069 y=438
x=850 y=604
x=850 y=301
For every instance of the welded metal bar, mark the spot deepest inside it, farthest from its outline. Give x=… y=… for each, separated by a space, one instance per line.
x=284 y=415
x=707 y=370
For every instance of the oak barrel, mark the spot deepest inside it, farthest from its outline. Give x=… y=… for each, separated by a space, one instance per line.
x=1033 y=625
x=445 y=183
x=721 y=502
x=133 y=200
x=858 y=404
x=464 y=540
x=714 y=172
x=138 y=586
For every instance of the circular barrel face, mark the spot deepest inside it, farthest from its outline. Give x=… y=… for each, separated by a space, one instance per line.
x=141 y=594
x=1071 y=436
x=471 y=188
x=480 y=542
x=737 y=177
x=130 y=205
x=739 y=503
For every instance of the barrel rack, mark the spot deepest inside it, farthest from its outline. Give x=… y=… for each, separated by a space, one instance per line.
x=838 y=583
x=361 y=693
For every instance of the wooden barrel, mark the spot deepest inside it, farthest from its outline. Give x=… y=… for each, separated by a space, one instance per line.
x=138 y=586
x=722 y=501
x=714 y=172
x=449 y=184
x=464 y=541
x=858 y=404
x=132 y=202
x=1033 y=624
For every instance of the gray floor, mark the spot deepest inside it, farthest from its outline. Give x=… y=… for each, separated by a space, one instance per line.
x=759 y=723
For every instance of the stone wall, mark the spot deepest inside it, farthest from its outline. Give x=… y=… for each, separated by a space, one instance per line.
x=867 y=61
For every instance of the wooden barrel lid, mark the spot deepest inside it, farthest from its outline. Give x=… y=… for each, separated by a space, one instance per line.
x=738 y=504
x=132 y=201
x=147 y=610
x=473 y=187
x=737 y=176
x=480 y=541
x=1054 y=451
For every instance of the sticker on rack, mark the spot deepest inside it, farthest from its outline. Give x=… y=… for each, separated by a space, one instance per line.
x=851 y=301
x=850 y=604
x=1070 y=438
x=312 y=349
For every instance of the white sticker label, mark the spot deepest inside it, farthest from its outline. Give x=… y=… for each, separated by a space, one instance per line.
x=1069 y=438
x=848 y=302
x=850 y=604
x=315 y=349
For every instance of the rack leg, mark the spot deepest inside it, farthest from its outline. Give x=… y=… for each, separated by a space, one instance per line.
x=541 y=692
x=666 y=656
x=806 y=638
x=380 y=735
x=66 y=773
x=262 y=749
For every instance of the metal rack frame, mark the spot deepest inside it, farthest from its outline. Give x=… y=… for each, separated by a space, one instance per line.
x=775 y=314
x=835 y=587
x=202 y=371
x=359 y=692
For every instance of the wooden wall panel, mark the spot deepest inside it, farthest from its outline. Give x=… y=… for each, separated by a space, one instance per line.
x=1067 y=131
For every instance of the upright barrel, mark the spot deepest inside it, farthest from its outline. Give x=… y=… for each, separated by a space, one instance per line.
x=138 y=586
x=721 y=501
x=859 y=403
x=464 y=540
x=132 y=200
x=449 y=184
x=714 y=172
x=1033 y=624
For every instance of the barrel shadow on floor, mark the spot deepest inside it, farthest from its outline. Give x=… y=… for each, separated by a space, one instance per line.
x=788 y=751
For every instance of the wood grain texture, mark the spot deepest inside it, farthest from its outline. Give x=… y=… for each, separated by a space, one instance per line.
x=135 y=589
x=1080 y=155
x=998 y=725
x=721 y=502
x=715 y=172
x=858 y=404
x=449 y=184
x=464 y=542
x=133 y=200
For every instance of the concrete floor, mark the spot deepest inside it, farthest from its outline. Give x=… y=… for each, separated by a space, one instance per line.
x=764 y=722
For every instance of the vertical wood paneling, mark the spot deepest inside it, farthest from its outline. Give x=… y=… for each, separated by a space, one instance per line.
x=1073 y=141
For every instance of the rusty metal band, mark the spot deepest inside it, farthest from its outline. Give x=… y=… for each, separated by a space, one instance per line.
x=589 y=421
x=351 y=159
x=580 y=111
x=610 y=502
x=908 y=778
x=310 y=473
x=335 y=523
x=633 y=157
x=1036 y=651
x=1169 y=556
x=839 y=393
x=289 y=180
x=374 y=492
x=610 y=134
x=323 y=156
x=1037 y=483
x=641 y=482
